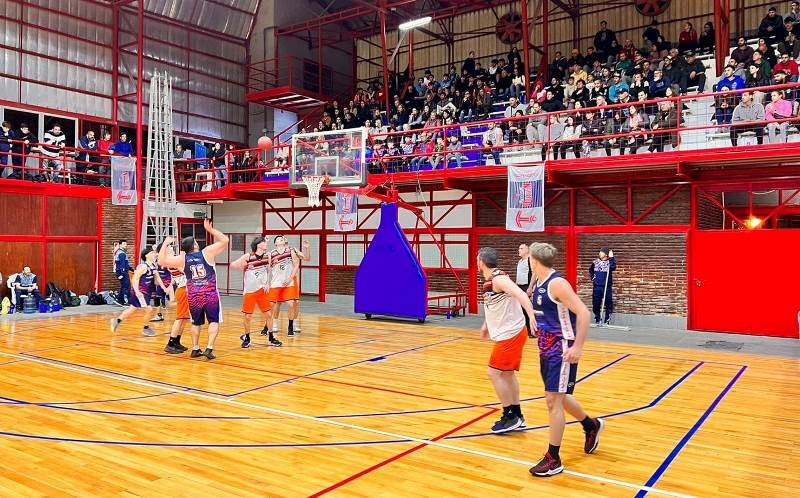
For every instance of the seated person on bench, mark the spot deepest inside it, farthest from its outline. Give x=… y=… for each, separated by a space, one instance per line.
x=26 y=284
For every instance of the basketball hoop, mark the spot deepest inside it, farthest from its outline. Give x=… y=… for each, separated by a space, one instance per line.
x=314 y=184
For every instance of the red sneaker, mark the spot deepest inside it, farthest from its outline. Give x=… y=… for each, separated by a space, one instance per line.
x=547 y=467
x=593 y=436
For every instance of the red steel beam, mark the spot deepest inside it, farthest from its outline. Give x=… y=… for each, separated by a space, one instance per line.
x=139 y=122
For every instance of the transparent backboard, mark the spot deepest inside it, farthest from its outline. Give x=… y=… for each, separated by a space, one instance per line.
x=339 y=154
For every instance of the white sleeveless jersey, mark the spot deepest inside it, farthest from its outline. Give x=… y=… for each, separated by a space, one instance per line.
x=504 y=317
x=281 y=268
x=178 y=277
x=256 y=272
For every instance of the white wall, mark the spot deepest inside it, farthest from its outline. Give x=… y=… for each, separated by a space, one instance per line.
x=237 y=216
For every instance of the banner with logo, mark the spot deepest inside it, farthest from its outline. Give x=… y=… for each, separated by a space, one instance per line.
x=123 y=181
x=525 y=204
x=346 y=212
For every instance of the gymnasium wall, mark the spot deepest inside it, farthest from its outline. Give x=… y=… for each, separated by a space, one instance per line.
x=119 y=222
x=476 y=31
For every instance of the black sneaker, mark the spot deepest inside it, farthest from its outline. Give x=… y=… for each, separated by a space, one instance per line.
x=593 y=437
x=547 y=466
x=180 y=347
x=196 y=353
x=506 y=424
x=290 y=333
x=273 y=341
x=245 y=338
x=172 y=349
x=264 y=331
x=209 y=353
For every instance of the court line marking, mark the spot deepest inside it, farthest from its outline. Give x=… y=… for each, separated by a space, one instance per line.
x=685 y=440
x=310 y=418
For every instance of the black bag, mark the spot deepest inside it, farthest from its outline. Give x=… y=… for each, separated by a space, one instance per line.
x=63 y=295
x=74 y=299
x=95 y=299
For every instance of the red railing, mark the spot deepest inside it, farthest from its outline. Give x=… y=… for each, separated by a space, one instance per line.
x=47 y=163
x=304 y=74
x=236 y=166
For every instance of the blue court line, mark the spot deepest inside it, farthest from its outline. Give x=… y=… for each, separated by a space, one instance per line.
x=653 y=403
x=332 y=369
x=10 y=362
x=52 y=348
x=682 y=443
x=674 y=358
x=340 y=443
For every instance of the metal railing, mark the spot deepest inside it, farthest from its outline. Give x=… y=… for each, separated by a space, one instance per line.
x=43 y=162
x=297 y=73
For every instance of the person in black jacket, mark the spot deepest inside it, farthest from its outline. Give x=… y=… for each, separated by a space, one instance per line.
x=603 y=40
x=22 y=150
x=771 y=27
x=694 y=72
x=6 y=137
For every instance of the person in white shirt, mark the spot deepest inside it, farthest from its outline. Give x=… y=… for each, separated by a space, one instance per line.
x=493 y=140
x=523 y=280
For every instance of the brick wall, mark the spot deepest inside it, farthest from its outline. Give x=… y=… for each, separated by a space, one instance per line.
x=709 y=216
x=118 y=223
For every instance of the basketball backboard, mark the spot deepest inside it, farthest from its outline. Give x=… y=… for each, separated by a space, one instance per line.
x=338 y=154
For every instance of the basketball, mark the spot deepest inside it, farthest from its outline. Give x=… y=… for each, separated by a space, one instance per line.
x=264 y=143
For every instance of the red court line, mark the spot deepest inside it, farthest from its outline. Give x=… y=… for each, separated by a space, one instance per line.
x=399 y=455
x=291 y=376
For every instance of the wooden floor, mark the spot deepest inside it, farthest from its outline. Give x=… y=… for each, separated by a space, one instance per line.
x=343 y=409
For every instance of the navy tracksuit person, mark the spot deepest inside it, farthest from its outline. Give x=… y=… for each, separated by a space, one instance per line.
x=600 y=270
x=121 y=269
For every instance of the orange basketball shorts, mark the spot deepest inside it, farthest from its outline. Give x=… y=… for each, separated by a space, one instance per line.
x=507 y=355
x=283 y=294
x=251 y=299
x=182 y=299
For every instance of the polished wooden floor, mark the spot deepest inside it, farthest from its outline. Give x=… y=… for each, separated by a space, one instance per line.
x=375 y=409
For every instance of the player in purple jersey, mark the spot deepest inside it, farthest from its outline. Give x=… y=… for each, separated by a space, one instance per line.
x=562 y=321
x=201 y=285
x=142 y=288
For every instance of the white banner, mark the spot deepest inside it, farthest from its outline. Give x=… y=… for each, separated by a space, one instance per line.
x=123 y=181
x=346 y=212
x=525 y=204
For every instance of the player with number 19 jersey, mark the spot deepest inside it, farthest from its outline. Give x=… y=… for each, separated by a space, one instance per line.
x=201 y=286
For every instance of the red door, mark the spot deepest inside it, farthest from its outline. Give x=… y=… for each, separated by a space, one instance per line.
x=745 y=281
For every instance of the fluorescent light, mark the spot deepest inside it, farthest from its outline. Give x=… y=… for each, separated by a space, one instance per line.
x=416 y=23
x=753 y=222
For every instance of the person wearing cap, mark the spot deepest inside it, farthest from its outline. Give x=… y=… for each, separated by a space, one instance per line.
x=695 y=72
x=600 y=271
x=616 y=88
x=771 y=27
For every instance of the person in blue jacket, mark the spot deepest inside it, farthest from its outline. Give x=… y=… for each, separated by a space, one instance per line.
x=600 y=271
x=122 y=147
x=122 y=267
x=6 y=136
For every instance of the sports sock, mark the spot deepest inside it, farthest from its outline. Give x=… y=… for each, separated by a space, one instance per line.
x=552 y=450
x=247 y=334
x=147 y=326
x=171 y=341
x=291 y=324
x=516 y=410
x=588 y=424
x=119 y=320
x=507 y=411
x=178 y=339
x=274 y=324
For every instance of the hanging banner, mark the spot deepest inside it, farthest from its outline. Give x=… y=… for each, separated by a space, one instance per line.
x=525 y=204
x=346 y=212
x=123 y=181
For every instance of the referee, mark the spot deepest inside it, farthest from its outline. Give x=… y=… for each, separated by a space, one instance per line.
x=524 y=280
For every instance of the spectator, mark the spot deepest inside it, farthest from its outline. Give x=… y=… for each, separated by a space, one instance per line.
x=52 y=147
x=26 y=283
x=764 y=67
x=748 y=116
x=575 y=58
x=791 y=42
x=22 y=150
x=468 y=67
x=493 y=141
x=466 y=109
x=453 y=151
x=423 y=151
x=7 y=135
x=617 y=87
x=694 y=72
x=552 y=104
x=581 y=94
x=776 y=111
x=636 y=126
x=569 y=139
x=578 y=73
x=557 y=88
x=707 y=40
x=651 y=33
x=639 y=84
x=794 y=12
x=603 y=40
x=513 y=106
x=553 y=132
x=216 y=157
x=592 y=126
x=767 y=52
x=535 y=130
x=688 y=38
x=781 y=78
x=624 y=65
x=724 y=110
x=480 y=71
x=590 y=58
x=88 y=156
x=771 y=27
x=729 y=80
x=742 y=54
x=672 y=72
x=786 y=65
x=483 y=99
x=658 y=86
x=516 y=128
x=615 y=126
x=518 y=85
x=666 y=119
x=558 y=67
x=122 y=147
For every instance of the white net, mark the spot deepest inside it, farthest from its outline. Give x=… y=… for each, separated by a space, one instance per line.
x=314 y=184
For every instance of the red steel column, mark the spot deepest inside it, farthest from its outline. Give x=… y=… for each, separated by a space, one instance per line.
x=722 y=26
x=382 y=17
x=139 y=122
x=526 y=58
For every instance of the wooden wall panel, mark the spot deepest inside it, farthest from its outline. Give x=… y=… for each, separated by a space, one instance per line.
x=15 y=255
x=72 y=265
x=20 y=214
x=71 y=216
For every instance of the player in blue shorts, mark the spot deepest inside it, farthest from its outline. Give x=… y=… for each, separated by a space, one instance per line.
x=201 y=285
x=142 y=288
x=562 y=321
